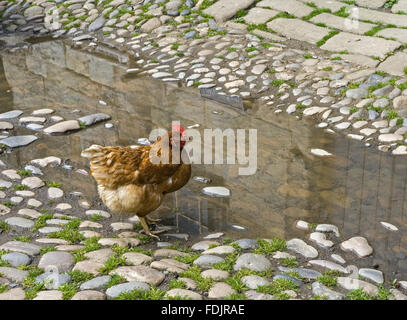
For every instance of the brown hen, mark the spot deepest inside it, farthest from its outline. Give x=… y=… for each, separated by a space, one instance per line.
x=129 y=183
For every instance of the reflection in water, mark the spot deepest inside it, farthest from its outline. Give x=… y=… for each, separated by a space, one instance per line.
x=354 y=190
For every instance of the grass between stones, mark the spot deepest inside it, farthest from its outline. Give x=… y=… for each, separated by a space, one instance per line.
x=327 y=37
x=23 y=238
x=315 y=13
x=70 y=232
x=153 y=294
x=115 y=279
x=24 y=173
x=112 y=263
x=276 y=288
x=194 y=273
x=269 y=246
x=4 y=226
x=41 y=222
x=289 y=262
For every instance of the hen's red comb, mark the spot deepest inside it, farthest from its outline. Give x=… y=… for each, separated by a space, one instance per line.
x=177 y=128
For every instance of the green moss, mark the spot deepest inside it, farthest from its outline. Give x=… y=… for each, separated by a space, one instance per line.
x=327 y=280
x=177 y=284
x=42 y=221
x=188 y=259
x=53 y=184
x=277 y=83
x=152 y=294
x=3 y=288
x=289 y=262
x=319 y=297
x=8 y=204
x=327 y=37
x=383 y=293
x=269 y=246
x=68 y=290
x=112 y=263
x=236 y=283
x=392 y=115
x=342 y=12
x=315 y=13
x=115 y=279
x=308 y=56
x=358 y=294
x=20 y=187
x=79 y=277
x=277 y=286
x=44 y=250
x=194 y=273
x=70 y=232
x=4 y=226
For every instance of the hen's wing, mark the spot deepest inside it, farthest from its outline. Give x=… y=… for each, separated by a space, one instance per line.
x=116 y=166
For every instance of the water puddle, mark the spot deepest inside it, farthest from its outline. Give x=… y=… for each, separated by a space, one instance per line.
x=355 y=189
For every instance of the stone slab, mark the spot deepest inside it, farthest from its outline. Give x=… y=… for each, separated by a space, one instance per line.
x=394 y=64
x=259 y=15
x=360 y=60
x=225 y=9
x=398 y=34
x=374 y=4
x=324 y=4
x=298 y=29
x=341 y=23
x=294 y=7
x=383 y=17
x=401 y=5
x=358 y=44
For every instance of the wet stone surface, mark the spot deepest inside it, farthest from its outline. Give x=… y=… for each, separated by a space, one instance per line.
x=355 y=94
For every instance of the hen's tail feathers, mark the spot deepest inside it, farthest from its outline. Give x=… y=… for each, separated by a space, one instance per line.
x=92 y=152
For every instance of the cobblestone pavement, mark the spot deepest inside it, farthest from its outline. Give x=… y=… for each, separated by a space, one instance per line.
x=56 y=245
x=342 y=63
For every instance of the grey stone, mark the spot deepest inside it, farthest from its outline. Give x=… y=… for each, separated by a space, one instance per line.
x=320 y=290
x=20 y=222
x=18 y=141
x=97 y=24
x=116 y=290
x=302 y=272
x=140 y=273
x=62 y=127
x=300 y=247
x=97 y=283
x=246 y=243
x=52 y=280
x=298 y=29
x=10 y=114
x=372 y=274
x=222 y=10
x=183 y=293
x=294 y=7
x=207 y=261
x=287 y=277
x=253 y=282
x=61 y=260
x=23 y=247
x=383 y=91
x=356 y=93
x=94 y=118
x=16 y=259
x=252 y=261
x=14 y=274
x=358 y=44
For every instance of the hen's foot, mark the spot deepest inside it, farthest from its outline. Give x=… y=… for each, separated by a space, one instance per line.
x=146 y=229
x=153 y=221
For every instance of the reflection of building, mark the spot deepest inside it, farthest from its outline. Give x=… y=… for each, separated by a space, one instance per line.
x=355 y=190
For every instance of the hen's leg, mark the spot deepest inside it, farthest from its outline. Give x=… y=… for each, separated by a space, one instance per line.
x=152 y=221
x=146 y=228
